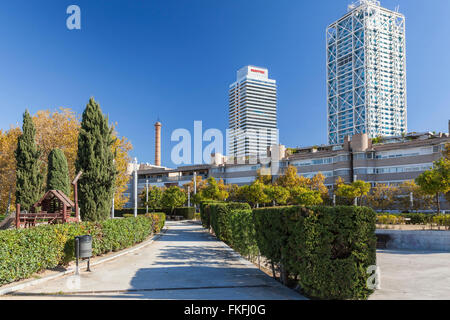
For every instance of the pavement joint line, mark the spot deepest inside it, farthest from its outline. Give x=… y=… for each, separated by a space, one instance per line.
x=30 y=283
x=134 y=290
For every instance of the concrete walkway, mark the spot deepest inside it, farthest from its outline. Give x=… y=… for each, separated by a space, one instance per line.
x=185 y=263
x=413 y=275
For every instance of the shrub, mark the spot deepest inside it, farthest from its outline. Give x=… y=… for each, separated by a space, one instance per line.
x=243 y=235
x=220 y=218
x=328 y=248
x=26 y=251
x=205 y=208
x=186 y=212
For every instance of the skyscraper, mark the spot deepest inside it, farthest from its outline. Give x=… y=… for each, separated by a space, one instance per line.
x=252 y=113
x=366 y=73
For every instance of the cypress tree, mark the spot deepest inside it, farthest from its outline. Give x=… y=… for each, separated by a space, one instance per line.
x=58 y=172
x=95 y=159
x=29 y=178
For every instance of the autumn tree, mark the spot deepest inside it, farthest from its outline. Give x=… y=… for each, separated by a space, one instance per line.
x=58 y=172
x=8 y=144
x=263 y=177
x=420 y=200
x=58 y=130
x=29 y=179
x=121 y=148
x=289 y=179
x=95 y=159
x=382 y=197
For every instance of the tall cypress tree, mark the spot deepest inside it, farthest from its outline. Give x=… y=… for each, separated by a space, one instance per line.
x=95 y=159
x=58 y=172
x=29 y=178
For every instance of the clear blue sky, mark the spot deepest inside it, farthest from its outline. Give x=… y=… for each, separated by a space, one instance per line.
x=175 y=59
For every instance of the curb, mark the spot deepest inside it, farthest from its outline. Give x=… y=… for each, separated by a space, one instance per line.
x=72 y=269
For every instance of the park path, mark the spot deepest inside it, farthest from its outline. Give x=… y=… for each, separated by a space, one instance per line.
x=184 y=263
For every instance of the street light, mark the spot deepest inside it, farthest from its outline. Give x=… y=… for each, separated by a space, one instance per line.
x=135 y=186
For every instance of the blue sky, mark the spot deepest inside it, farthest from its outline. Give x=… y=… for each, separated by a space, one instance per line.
x=175 y=60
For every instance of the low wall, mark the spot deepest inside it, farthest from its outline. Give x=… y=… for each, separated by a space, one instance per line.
x=428 y=240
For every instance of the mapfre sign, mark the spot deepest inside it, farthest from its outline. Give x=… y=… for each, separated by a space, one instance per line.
x=258 y=71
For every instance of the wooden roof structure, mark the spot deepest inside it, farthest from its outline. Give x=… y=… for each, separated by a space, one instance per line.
x=51 y=195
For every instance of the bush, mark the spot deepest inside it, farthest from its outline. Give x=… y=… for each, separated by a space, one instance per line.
x=328 y=248
x=26 y=251
x=205 y=215
x=399 y=218
x=220 y=218
x=243 y=235
x=185 y=212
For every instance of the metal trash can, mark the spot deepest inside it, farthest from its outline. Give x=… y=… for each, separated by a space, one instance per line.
x=85 y=246
x=83 y=250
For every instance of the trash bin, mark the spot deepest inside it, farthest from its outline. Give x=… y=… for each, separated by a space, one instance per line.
x=85 y=246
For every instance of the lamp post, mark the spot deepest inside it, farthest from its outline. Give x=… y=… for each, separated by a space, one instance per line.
x=146 y=196
x=189 y=196
x=135 y=186
x=114 y=191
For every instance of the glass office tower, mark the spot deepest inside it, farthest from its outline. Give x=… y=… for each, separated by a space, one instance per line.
x=366 y=73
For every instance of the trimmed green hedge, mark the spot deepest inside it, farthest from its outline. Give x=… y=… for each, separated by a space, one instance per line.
x=416 y=218
x=24 y=252
x=187 y=212
x=328 y=249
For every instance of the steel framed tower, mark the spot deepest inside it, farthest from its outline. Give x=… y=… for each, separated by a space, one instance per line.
x=366 y=73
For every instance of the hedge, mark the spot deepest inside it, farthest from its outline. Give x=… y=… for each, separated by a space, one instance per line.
x=24 y=252
x=328 y=249
x=186 y=212
x=414 y=218
x=159 y=219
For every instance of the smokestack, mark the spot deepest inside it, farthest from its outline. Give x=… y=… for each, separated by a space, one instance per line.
x=158 y=143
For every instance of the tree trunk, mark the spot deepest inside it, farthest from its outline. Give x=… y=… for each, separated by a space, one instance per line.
x=9 y=200
x=438 y=203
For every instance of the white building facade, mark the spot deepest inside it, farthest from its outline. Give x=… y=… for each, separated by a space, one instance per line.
x=252 y=113
x=366 y=73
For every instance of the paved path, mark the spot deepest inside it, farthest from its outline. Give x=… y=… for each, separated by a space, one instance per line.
x=184 y=263
x=413 y=275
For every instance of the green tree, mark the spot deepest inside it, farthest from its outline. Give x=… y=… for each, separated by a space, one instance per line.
x=356 y=189
x=277 y=195
x=305 y=197
x=95 y=159
x=173 y=197
x=254 y=193
x=154 y=197
x=58 y=172
x=214 y=190
x=436 y=181
x=29 y=179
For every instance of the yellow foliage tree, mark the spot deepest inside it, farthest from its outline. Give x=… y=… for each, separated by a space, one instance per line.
x=8 y=143
x=58 y=129
x=121 y=148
